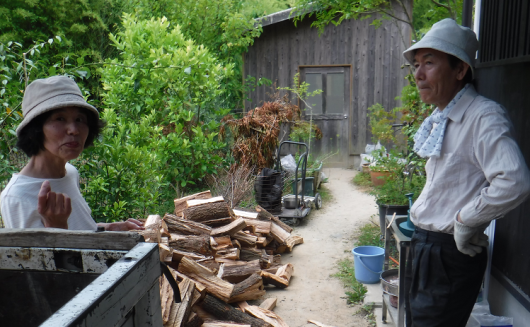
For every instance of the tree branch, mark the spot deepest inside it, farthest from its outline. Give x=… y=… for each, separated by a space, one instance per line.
x=448 y=7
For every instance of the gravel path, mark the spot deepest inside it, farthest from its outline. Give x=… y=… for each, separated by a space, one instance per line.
x=328 y=237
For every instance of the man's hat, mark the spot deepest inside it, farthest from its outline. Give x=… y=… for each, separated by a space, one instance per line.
x=55 y=92
x=449 y=37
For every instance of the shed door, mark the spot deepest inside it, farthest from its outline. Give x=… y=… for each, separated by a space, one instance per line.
x=330 y=111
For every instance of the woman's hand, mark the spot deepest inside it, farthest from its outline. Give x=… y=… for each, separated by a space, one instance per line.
x=130 y=224
x=55 y=208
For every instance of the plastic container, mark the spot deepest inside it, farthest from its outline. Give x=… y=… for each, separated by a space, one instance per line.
x=368 y=262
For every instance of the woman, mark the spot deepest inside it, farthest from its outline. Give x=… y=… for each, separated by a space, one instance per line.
x=58 y=124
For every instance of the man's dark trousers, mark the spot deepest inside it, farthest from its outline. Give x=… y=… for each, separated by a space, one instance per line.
x=444 y=283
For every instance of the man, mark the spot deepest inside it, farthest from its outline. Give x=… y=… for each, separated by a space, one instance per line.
x=475 y=173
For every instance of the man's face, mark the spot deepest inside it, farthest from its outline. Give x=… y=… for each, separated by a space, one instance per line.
x=437 y=82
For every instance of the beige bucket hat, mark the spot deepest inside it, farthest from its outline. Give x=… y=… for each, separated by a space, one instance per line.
x=449 y=37
x=55 y=92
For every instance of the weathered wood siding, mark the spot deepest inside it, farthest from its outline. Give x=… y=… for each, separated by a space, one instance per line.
x=375 y=57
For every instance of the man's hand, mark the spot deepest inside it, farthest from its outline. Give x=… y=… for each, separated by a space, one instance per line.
x=130 y=224
x=470 y=240
x=55 y=208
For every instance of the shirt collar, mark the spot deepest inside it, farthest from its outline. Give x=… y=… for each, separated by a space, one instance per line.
x=458 y=111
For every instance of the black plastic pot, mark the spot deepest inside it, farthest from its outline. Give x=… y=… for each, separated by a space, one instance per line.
x=389 y=209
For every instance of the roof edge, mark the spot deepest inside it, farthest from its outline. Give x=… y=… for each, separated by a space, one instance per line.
x=281 y=16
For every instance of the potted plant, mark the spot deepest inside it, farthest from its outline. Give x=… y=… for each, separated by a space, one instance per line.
x=404 y=177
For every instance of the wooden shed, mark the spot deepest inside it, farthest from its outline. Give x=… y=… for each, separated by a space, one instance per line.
x=355 y=64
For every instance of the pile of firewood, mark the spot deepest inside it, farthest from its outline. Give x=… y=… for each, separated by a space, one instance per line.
x=221 y=258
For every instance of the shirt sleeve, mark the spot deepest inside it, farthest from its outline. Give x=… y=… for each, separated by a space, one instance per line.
x=504 y=168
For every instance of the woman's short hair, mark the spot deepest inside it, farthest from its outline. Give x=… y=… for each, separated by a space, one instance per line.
x=31 y=137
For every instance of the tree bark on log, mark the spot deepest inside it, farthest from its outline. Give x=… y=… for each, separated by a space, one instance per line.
x=250 y=254
x=225 y=311
x=206 y=277
x=180 y=204
x=185 y=227
x=279 y=234
x=229 y=229
x=250 y=289
x=180 y=312
x=191 y=243
x=208 y=211
x=246 y=239
x=230 y=253
x=260 y=226
x=238 y=273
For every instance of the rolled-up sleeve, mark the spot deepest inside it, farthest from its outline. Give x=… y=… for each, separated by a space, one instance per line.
x=499 y=157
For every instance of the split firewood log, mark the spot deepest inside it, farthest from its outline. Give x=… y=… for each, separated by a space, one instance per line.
x=180 y=312
x=279 y=279
x=180 y=204
x=229 y=229
x=269 y=304
x=208 y=211
x=265 y=215
x=292 y=241
x=265 y=315
x=210 y=263
x=203 y=314
x=185 y=227
x=198 y=202
x=194 y=320
x=250 y=254
x=220 y=242
x=225 y=311
x=250 y=289
x=246 y=214
x=214 y=285
x=245 y=239
x=236 y=273
x=262 y=241
x=191 y=243
x=218 y=222
x=178 y=255
x=152 y=229
x=230 y=253
x=260 y=226
x=279 y=234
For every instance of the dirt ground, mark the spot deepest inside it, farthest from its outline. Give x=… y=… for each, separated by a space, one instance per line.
x=328 y=237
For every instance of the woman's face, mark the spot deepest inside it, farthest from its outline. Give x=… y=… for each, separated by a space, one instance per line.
x=65 y=133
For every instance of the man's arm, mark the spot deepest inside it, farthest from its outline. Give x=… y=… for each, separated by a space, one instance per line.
x=503 y=165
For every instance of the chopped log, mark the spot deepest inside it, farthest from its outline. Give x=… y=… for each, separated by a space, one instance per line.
x=268 y=304
x=191 y=243
x=265 y=215
x=180 y=204
x=153 y=221
x=246 y=214
x=223 y=324
x=164 y=251
x=152 y=231
x=209 y=211
x=282 y=248
x=236 y=244
x=180 y=312
x=285 y=272
x=262 y=241
x=250 y=254
x=266 y=315
x=266 y=260
x=293 y=240
x=245 y=239
x=239 y=272
x=194 y=320
x=225 y=311
x=260 y=226
x=220 y=242
x=210 y=263
x=231 y=253
x=197 y=202
x=185 y=227
x=197 y=296
x=218 y=222
x=203 y=314
x=166 y=297
x=279 y=234
x=272 y=270
x=205 y=276
x=250 y=289
x=273 y=279
x=229 y=229
x=178 y=255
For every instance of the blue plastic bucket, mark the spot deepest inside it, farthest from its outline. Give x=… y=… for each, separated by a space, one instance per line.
x=368 y=262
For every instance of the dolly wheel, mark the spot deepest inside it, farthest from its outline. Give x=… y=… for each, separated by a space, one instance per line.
x=318 y=201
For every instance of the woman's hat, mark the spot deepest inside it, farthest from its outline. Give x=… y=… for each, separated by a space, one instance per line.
x=55 y=92
x=449 y=37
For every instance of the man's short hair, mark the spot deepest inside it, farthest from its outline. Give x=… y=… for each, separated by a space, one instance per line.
x=31 y=137
x=454 y=61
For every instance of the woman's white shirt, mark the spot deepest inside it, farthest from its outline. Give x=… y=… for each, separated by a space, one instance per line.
x=18 y=201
